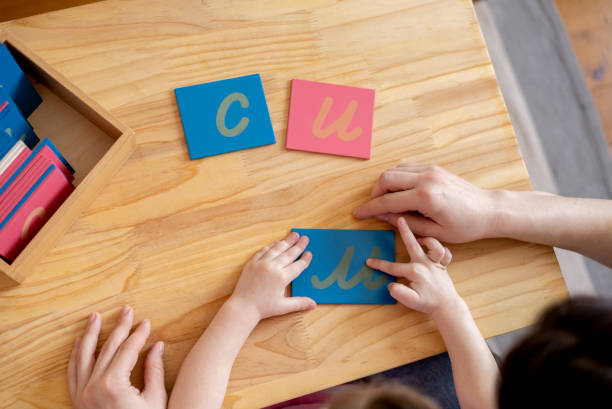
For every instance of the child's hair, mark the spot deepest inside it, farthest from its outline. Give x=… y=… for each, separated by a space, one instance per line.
x=383 y=396
x=566 y=361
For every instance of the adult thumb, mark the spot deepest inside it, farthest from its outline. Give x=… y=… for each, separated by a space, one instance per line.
x=154 y=390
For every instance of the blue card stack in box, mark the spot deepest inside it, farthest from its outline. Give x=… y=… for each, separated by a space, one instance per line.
x=35 y=178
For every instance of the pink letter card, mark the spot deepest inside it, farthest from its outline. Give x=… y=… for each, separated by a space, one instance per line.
x=330 y=118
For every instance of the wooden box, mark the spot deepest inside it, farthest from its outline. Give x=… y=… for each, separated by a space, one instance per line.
x=94 y=142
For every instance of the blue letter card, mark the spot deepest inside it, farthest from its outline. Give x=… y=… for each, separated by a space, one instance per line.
x=16 y=84
x=224 y=116
x=12 y=123
x=338 y=273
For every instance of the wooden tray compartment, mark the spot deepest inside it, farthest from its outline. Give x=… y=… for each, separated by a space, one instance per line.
x=94 y=142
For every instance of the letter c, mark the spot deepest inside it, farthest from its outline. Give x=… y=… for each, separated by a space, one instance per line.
x=222 y=112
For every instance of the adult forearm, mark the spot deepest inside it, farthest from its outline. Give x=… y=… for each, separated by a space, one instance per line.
x=475 y=371
x=581 y=225
x=202 y=379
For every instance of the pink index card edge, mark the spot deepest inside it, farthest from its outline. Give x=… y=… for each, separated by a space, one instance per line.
x=11 y=155
x=304 y=105
x=49 y=154
x=14 y=165
x=49 y=195
x=27 y=177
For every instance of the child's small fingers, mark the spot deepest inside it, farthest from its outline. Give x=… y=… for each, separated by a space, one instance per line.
x=127 y=354
x=263 y=251
x=412 y=246
x=293 y=252
x=447 y=257
x=394 y=269
x=281 y=246
x=405 y=295
x=85 y=359
x=295 y=304
x=114 y=341
x=72 y=371
x=435 y=248
x=295 y=269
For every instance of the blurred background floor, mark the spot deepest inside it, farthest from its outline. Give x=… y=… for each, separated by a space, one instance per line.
x=553 y=63
x=546 y=77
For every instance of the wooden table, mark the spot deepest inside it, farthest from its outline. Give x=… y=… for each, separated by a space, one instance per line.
x=169 y=235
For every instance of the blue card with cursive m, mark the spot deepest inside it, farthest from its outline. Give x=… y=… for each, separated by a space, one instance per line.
x=338 y=273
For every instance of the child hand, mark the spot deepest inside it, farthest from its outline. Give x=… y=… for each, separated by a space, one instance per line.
x=430 y=289
x=261 y=287
x=104 y=382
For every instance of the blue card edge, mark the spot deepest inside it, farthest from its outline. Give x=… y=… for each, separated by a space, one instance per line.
x=216 y=81
x=61 y=157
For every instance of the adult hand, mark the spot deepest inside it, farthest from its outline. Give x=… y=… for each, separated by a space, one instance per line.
x=104 y=382
x=433 y=201
x=261 y=287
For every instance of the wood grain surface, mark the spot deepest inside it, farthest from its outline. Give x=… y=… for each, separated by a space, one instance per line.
x=169 y=236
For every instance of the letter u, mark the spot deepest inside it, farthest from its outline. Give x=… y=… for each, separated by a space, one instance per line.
x=340 y=125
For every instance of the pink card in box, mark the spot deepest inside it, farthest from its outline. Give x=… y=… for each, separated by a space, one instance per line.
x=32 y=211
x=330 y=118
x=13 y=190
x=49 y=154
x=13 y=187
x=14 y=165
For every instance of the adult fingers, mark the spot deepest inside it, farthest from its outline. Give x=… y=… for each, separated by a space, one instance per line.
x=420 y=225
x=294 y=304
x=87 y=349
x=296 y=268
x=281 y=246
x=394 y=269
x=405 y=295
x=435 y=249
x=394 y=202
x=154 y=390
x=115 y=339
x=413 y=166
x=414 y=249
x=446 y=259
x=127 y=355
x=72 y=371
x=293 y=252
x=394 y=180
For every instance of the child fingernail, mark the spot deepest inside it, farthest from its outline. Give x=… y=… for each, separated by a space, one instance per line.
x=160 y=347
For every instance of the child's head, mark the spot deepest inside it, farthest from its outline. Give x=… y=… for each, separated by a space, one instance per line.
x=384 y=396
x=566 y=361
